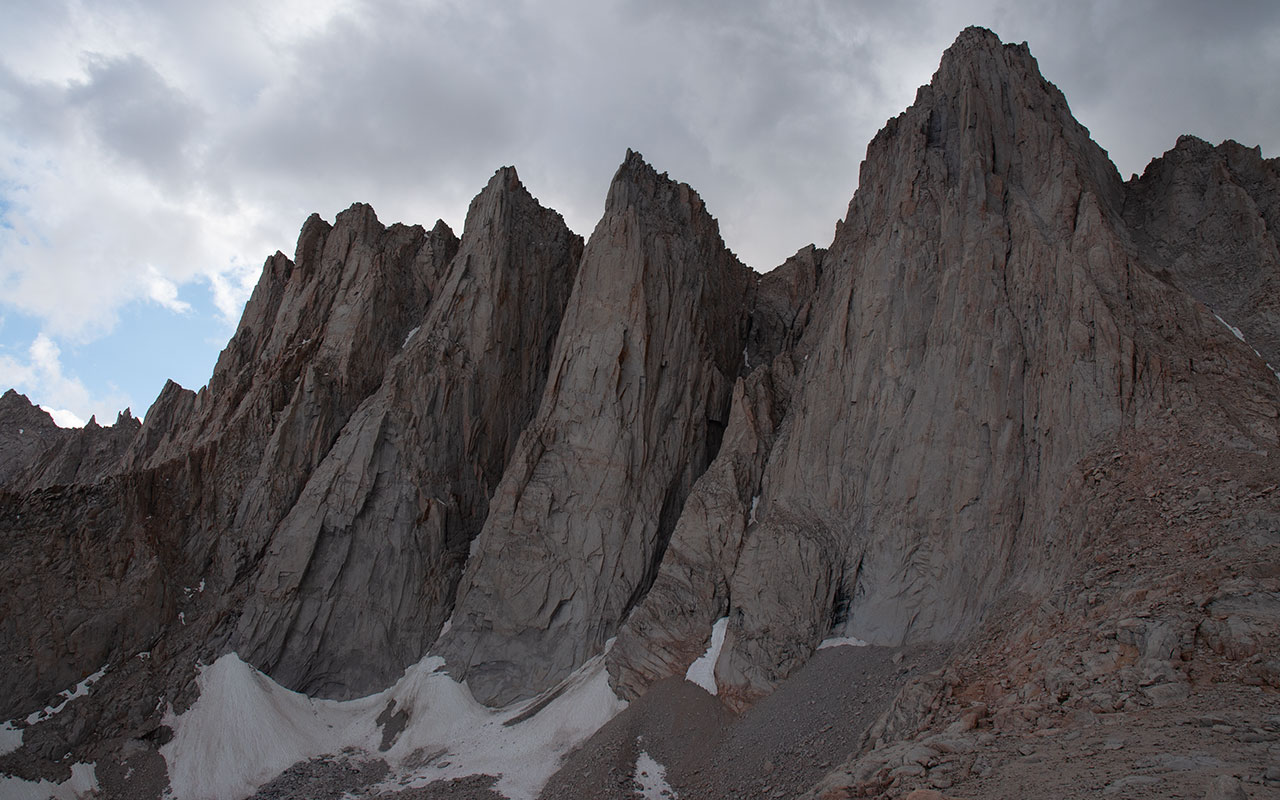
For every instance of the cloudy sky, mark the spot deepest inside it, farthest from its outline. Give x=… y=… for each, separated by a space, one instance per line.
x=154 y=153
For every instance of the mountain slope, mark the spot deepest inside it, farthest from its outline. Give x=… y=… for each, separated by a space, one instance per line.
x=1002 y=423
x=986 y=323
x=635 y=407
x=404 y=489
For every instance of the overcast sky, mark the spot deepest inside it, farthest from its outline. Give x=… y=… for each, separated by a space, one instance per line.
x=154 y=153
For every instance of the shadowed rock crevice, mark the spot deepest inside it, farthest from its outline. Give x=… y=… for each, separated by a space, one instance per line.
x=406 y=487
x=652 y=340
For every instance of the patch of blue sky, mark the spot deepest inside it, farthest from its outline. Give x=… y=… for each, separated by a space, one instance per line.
x=17 y=331
x=148 y=345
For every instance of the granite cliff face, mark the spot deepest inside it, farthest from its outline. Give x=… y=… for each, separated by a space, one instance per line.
x=1208 y=216
x=405 y=487
x=988 y=322
x=635 y=408
x=511 y=449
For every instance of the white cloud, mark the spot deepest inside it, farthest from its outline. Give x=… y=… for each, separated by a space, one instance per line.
x=149 y=150
x=64 y=418
x=164 y=292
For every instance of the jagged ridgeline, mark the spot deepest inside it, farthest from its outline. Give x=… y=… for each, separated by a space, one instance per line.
x=509 y=449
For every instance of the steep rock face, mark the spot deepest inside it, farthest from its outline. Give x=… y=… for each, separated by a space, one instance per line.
x=984 y=322
x=635 y=406
x=86 y=455
x=84 y=585
x=931 y=419
x=378 y=283
x=192 y=497
x=784 y=304
x=1209 y=217
x=313 y=343
x=39 y=454
x=405 y=488
x=26 y=433
x=670 y=628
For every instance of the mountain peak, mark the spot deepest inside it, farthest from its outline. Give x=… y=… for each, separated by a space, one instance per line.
x=978 y=59
x=505 y=178
x=1014 y=410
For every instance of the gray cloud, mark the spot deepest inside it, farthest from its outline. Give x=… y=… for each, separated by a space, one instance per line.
x=136 y=116
x=150 y=142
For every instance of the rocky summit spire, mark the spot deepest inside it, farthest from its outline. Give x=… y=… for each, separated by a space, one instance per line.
x=985 y=321
x=405 y=487
x=634 y=410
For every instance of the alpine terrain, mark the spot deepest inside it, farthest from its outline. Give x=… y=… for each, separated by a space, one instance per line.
x=979 y=500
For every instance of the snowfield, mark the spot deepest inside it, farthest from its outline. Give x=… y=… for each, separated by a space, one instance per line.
x=67 y=695
x=10 y=738
x=841 y=641
x=245 y=729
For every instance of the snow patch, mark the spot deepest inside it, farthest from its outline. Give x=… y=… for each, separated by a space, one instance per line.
x=841 y=641
x=67 y=695
x=82 y=783
x=10 y=738
x=652 y=778
x=703 y=671
x=1230 y=327
x=409 y=337
x=524 y=752
x=751 y=518
x=1240 y=336
x=245 y=729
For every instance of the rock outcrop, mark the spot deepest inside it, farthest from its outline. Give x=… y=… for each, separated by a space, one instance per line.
x=1208 y=219
x=635 y=408
x=85 y=455
x=670 y=628
x=40 y=455
x=190 y=498
x=26 y=434
x=986 y=322
x=405 y=488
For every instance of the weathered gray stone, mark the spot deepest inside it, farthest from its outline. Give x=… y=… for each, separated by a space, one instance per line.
x=672 y=625
x=984 y=321
x=1225 y=787
x=635 y=408
x=1208 y=218
x=26 y=433
x=84 y=455
x=192 y=499
x=404 y=489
